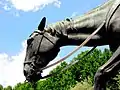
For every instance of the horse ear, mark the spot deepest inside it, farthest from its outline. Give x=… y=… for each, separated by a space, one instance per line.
x=42 y=24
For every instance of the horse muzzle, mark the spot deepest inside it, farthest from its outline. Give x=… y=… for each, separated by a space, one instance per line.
x=31 y=74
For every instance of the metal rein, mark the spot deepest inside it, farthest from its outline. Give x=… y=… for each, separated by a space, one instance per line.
x=68 y=55
x=86 y=40
x=65 y=57
x=105 y=22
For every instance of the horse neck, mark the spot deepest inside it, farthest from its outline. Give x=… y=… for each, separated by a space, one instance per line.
x=79 y=28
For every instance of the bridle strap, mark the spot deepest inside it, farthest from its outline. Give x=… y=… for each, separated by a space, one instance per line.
x=39 y=32
x=36 y=53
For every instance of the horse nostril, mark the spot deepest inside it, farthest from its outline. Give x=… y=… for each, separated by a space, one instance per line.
x=25 y=73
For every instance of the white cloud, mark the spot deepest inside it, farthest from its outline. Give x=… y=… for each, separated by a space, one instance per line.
x=74 y=14
x=28 y=5
x=6 y=7
x=11 y=67
x=57 y=4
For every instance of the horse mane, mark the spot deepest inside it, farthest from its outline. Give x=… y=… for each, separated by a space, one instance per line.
x=101 y=6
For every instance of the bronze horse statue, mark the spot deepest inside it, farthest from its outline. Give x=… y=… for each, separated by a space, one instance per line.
x=44 y=44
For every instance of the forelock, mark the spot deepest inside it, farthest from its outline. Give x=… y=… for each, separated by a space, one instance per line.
x=34 y=33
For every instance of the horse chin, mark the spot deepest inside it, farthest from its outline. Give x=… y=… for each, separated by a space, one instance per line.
x=34 y=77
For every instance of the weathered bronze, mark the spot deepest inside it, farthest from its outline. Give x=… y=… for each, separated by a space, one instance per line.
x=44 y=44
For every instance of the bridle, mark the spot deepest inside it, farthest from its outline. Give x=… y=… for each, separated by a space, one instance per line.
x=33 y=63
x=105 y=22
x=68 y=55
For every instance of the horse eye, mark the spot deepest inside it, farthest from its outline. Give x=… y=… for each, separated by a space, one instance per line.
x=29 y=41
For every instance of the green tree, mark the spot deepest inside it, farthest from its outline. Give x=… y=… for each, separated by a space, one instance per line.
x=8 y=88
x=1 y=87
x=23 y=86
x=60 y=81
x=87 y=66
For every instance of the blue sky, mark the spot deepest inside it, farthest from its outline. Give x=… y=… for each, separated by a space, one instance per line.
x=15 y=29
x=19 y=18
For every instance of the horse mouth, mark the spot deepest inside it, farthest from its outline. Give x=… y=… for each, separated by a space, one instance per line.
x=33 y=77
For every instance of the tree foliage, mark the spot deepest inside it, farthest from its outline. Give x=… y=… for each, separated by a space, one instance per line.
x=59 y=81
x=1 y=87
x=87 y=66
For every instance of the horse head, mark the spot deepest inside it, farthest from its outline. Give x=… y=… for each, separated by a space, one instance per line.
x=42 y=47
